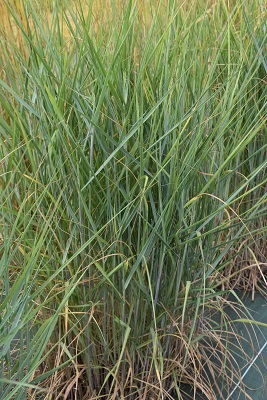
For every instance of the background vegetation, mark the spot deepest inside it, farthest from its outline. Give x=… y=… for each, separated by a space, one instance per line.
x=133 y=194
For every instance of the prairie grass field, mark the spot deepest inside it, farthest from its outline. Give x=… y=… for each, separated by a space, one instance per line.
x=133 y=148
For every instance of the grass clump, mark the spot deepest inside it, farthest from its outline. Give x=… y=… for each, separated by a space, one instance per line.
x=133 y=181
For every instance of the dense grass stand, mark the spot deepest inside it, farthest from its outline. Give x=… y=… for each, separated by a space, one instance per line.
x=133 y=194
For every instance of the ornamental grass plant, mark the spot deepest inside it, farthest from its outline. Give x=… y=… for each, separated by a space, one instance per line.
x=133 y=195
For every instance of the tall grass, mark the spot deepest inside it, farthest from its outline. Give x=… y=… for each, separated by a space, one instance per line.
x=133 y=177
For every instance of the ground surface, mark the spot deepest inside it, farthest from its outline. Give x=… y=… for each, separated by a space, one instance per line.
x=254 y=375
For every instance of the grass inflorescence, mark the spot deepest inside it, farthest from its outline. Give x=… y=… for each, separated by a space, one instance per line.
x=133 y=194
